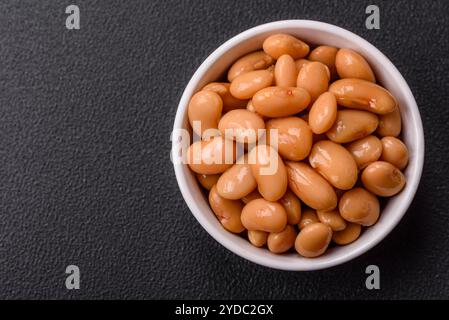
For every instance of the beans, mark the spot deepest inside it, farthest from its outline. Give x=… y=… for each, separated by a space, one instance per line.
x=323 y=113
x=279 y=242
x=352 y=125
x=313 y=77
x=395 y=152
x=359 y=206
x=332 y=219
x=334 y=163
x=275 y=102
x=229 y=102
x=263 y=215
x=251 y=196
x=237 y=181
x=269 y=171
x=253 y=61
x=383 y=179
x=365 y=150
x=285 y=72
x=294 y=137
x=227 y=211
x=205 y=107
x=390 y=124
x=310 y=186
x=292 y=207
x=257 y=238
x=300 y=63
x=308 y=216
x=247 y=84
x=324 y=107
x=211 y=156
x=313 y=240
x=326 y=55
x=241 y=125
x=362 y=94
x=350 y=64
x=280 y=44
x=348 y=235
x=207 y=180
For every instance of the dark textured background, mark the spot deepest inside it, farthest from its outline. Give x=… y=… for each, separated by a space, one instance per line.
x=85 y=176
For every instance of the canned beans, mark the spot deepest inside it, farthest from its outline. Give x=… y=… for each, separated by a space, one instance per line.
x=320 y=140
x=308 y=216
x=394 y=151
x=257 y=238
x=247 y=84
x=294 y=137
x=253 y=61
x=365 y=150
x=362 y=94
x=280 y=44
x=352 y=125
x=326 y=55
x=285 y=72
x=314 y=78
x=323 y=113
x=280 y=242
x=263 y=215
x=350 y=64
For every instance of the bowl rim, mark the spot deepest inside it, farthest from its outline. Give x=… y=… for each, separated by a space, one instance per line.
x=412 y=185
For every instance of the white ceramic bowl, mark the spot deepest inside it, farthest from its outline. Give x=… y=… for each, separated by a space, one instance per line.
x=313 y=32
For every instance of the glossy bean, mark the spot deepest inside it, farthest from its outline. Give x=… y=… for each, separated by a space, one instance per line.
x=350 y=64
x=352 y=125
x=237 y=181
x=242 y=126
x=333 y=219
x=313 y=240
x=334 y=163
x=308 y=216
x=205 y=109
x=383 y=179
x=362 y=94
x=269 y=171
x=294 y=137
x=280 y=242
x=247 y=84
x=348 y=235
x=314 y=78
x=395 y=152
x=285 y=72
x=257 y=238
x=292 y=207
x=251 y=196
x=326 y=55
x=252 y=61
x=275 y=102
x=365 y=150
x=280 y=44
x=359 y=206
x=263 y=215
x=227 y=211
x=390 y=124
x=229 y=102
x=211 y=156
x=300 y=63
x=310 y=186
x=207 y=181
x=323 y=113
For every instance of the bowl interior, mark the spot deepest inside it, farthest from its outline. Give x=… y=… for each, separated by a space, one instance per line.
x=314 y=33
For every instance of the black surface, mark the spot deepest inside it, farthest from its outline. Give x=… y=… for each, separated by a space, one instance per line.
x=85 y=176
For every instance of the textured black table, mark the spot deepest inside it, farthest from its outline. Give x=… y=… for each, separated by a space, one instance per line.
x=85 y=175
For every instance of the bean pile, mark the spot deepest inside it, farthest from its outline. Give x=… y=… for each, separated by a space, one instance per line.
x=338 y=149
